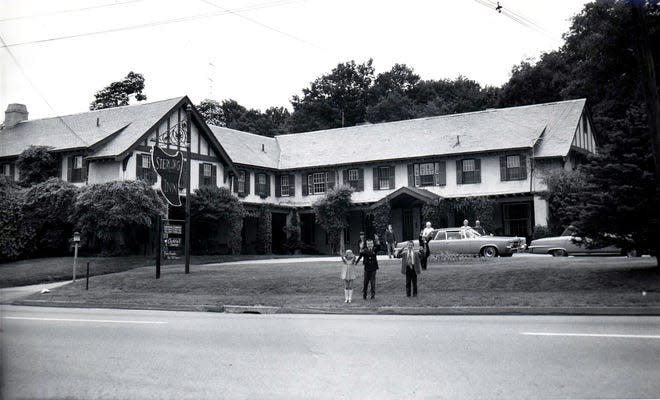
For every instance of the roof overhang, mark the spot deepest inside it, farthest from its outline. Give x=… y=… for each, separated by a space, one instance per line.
x=407 y=196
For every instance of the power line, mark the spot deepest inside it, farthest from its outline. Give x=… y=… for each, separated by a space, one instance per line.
x=151 y=24
x=519 y=18
x=18 y=65
x=69 y=10
x=261 y=24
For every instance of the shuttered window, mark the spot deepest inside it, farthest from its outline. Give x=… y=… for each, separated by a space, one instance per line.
x=317 y=183
x=262 y=185
x=354 y=177
x=284 y=185
x=429 y=174
x=207 y=175
x=468 y=171
x=76 y=169
x=241 y=182
x=384 y=178
x=144 y=171
x=513 y=167
x=6 y=170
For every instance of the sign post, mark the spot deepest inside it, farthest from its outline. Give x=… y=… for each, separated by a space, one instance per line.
x=76 y=242
x=187 y=236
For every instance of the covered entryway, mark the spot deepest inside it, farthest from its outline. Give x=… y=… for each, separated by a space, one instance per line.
x=406 y=210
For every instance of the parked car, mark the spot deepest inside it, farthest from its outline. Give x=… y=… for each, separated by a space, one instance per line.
x=570 y=244
x=469 y=241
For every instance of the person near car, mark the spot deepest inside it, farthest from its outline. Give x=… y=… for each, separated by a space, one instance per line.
x=390 y=241
x=465 y=228
x=426 y=236
x=424 y=251
x=478 y=228
x=370 y=267
x=411 y=267
x=348 y=274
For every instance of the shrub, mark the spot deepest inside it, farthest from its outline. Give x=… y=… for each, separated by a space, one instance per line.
x=116 y=217
x=14 y=235
x=265 y=230
x=332 y=212
x=215 y=212
x=471 y=208
x=36 y=164
x=541 y=231
x=46 y=210
x=292 y=230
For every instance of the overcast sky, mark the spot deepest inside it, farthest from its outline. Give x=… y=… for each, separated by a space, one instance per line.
x=261 y=52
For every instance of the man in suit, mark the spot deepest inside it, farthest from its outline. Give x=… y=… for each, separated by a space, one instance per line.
x=362 y=243
x=411 y=267
x=370 y=267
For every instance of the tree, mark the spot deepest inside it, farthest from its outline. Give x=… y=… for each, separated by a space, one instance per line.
x=563 y=194
x=36 y=164
x=118 y=93
x=46 y=209
x=116 y=217
x=14 y=236
x=216 y=217
x=332 y=214
x=212 y=112
x=264 y=230
x=337 y=99
x=471 y=208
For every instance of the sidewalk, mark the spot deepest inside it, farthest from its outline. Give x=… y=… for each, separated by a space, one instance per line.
x=11 y=294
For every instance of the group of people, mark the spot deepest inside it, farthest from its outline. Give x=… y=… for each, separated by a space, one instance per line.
x=412 y=262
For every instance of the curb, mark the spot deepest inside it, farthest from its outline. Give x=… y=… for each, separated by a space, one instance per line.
x=382 y=310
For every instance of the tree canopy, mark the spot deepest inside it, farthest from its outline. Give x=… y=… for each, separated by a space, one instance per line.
x=36 y=164
x=118 y=93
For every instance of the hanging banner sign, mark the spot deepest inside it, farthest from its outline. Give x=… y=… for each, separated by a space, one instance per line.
x=169 y=168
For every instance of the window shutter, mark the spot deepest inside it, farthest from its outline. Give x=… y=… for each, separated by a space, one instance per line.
x=214 y=175
x=247 y=183
x=236 y=183
x=305 y=183
x=292 y=185
x=440 y=173
x=392 y=179
x=523 y=166
x=503 y=176
x=69 y=170
x=344 y=178
x=411 y=175
x=374 y=177
x=459 y=172
x=477 y=170
x=201 y=174
x=267 y=185
x=278 y=185
x=360 y=185
x=85 y=166
x=330 y=180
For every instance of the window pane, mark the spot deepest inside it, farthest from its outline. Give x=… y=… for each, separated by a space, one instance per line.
x=262 y=179
x=284 y=185
x=426 y=169
x=241 y=181
x=146 y=161
x=512 y=161
x=318 y=183
x=207 y=169
x=468 y=165
x=353 y=175
x=77 y=162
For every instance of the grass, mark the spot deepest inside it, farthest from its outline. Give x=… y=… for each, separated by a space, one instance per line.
x=53 y=269
x=517 y=281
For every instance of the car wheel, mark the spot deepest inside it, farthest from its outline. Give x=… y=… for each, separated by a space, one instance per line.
x=559 y=253
x=489 y=252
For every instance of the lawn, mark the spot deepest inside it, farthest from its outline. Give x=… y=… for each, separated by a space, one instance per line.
x=517 y=281
x=53 y=269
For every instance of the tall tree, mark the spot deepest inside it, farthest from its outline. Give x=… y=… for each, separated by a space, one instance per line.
x=118 y=93
x=337 y=99
x=332 y=214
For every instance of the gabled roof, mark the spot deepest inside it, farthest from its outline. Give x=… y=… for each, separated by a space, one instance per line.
x=248 y=148
x=118 y=129
x=489 y=130
x=422 y=195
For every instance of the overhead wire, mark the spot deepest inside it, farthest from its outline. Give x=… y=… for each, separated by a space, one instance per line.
x=36 y=89
x=69 y=10
x=519 y=18
x=152 y=24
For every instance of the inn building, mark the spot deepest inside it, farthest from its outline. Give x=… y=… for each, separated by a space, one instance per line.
x=500 y=153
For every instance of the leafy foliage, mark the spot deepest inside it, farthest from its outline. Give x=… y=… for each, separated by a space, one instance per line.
x=36 y=164
x=265 y=230
x=563 y=194
x=381 y=218
x=213 y=209
x=46 y=210
x=473 y=208
x=332 y=212
x=14 y=236
x=230 y=114
x=116 y=217
x=542 y=231
x=118 y=93
x=292 y=230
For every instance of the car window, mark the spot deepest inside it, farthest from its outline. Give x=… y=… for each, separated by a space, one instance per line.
x=470 y=233
x=453 y=235
x=569 y=231
x=441 y=236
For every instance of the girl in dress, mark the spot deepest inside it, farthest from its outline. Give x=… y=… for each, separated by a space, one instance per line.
x=348 y=275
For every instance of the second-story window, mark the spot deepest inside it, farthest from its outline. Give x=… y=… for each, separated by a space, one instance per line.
x=513 y=168
x=207 y=174
x=384 y=178
x=468 y=171
x=241 y=182
x=317 y=183
x=6 y=171
x=284 y=185
x=144 y=170
x=427 y=174
x=262 y=186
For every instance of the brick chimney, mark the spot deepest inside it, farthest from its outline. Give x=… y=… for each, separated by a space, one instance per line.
x=15 y=113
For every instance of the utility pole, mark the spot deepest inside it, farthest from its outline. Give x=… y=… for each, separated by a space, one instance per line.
x=649 y=87
x=188 y=164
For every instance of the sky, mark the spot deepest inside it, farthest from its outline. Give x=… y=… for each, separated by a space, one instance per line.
x=257 y=52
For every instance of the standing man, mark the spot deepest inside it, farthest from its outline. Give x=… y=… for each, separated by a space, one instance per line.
x=478 y=228
x=390 y=241
x=424 y=238
x=370 y=267
x=410 y=267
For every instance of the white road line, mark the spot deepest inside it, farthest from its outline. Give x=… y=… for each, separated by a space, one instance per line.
x=605 y=335
x=105 y=321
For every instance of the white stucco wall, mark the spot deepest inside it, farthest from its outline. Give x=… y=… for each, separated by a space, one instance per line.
x=104 y=171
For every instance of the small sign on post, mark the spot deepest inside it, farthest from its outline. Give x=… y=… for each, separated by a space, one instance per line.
x=76 y=243
x=172 y=238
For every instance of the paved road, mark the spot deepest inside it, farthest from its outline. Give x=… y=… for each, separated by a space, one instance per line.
x=87 y=354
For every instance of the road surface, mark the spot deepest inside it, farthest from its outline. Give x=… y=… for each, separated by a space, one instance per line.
x=54 y=353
